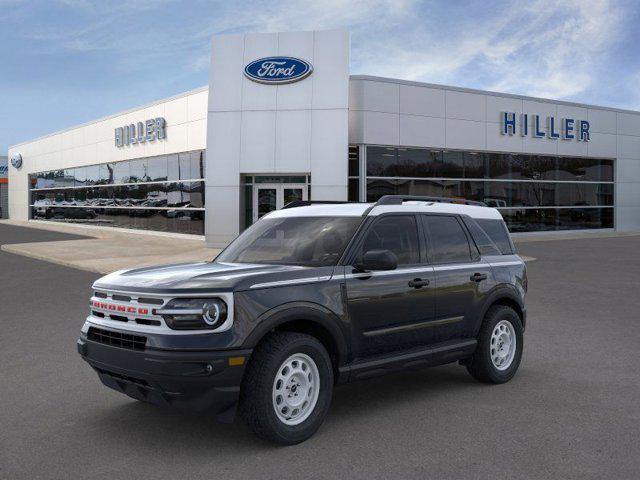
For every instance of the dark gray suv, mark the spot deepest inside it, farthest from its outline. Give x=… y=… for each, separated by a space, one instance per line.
x=309 y=297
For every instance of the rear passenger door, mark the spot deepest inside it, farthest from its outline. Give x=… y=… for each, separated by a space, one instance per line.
x=462 y=279
x=389 y=310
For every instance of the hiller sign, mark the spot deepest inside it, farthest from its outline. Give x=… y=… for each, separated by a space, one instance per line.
x=147 y=131
x=525 y=124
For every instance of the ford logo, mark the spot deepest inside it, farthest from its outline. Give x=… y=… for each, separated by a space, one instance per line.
x=16 y=160
x=278 y=70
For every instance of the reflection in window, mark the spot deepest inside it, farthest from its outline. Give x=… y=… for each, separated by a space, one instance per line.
x=129 y=193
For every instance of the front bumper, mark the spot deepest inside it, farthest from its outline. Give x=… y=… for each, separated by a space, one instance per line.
x=201 y=381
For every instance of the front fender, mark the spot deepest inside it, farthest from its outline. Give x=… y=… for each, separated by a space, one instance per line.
x=307 y=311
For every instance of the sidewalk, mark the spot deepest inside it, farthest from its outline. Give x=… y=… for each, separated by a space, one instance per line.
x=110 y=249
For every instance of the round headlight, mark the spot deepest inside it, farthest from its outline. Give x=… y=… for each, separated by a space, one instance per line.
x=211 y=313
x=195 y=313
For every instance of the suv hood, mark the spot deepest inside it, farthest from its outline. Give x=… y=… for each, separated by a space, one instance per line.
x=202 y=277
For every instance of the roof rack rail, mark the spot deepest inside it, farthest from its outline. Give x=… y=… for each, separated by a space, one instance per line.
x=399 y=199
x=306 y=203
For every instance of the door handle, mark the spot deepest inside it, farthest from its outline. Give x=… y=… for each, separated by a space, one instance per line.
x=478 y=277
x=418 y=283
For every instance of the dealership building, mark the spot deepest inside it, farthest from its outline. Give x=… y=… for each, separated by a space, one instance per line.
x=282 y=120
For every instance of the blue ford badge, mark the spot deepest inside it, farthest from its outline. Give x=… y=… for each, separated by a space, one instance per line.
x=16 y=160
x=278 y=70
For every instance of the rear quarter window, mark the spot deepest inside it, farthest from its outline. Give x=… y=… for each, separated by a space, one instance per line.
x=482 y=240
x=498 y=233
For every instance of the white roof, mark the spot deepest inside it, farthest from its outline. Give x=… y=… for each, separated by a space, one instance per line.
x=323 y=210
x=358 y=209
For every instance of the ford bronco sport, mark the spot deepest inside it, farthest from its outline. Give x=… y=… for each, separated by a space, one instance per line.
x=308 y=297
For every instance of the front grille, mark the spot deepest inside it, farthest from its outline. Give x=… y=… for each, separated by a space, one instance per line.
x=128 y=309
x=117 y=339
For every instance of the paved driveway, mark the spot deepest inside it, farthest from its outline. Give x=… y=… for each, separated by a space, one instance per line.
x=572 y=412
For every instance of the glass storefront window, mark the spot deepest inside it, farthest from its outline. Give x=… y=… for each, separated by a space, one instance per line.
x=130 y=193
x=571 y=189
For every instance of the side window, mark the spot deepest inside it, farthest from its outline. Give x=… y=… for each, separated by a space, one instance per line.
x=447 y=239
x=484 y=243
x=397 y=233
x=497 y=231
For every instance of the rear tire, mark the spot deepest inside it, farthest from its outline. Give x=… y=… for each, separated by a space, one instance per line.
x=287 y=388
x=500 y=342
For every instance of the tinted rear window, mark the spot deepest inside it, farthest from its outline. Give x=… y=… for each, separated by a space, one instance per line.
x=497 y=231
x=484 y=243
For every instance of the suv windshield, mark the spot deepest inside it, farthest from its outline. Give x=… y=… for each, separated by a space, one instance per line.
x=304 y=241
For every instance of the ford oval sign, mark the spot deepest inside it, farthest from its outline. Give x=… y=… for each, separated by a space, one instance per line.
x=16 y=160
x=278 y=70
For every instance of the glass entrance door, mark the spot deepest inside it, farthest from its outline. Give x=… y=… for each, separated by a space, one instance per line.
x=268 y=197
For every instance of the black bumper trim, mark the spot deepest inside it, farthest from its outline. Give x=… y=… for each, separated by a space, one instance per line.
x=201 y=382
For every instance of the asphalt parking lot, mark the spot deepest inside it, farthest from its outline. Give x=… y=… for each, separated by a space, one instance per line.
x=572 y=412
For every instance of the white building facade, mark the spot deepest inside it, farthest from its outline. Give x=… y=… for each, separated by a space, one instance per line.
x=282 y=120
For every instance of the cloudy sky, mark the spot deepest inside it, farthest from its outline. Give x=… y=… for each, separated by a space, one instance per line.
x=70 y=61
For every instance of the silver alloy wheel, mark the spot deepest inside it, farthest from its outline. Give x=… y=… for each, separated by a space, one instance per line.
x=296 y=389
x=503 y=345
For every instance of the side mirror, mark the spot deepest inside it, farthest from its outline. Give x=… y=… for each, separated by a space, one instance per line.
x=378 y=260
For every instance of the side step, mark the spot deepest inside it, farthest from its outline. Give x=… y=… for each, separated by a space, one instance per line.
x=422 y=357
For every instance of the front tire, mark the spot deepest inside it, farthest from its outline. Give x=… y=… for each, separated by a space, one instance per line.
x=287 y=388
x=500 y=342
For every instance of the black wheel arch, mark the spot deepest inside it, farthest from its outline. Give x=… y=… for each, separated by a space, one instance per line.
x=503 y=296
x=303 y=317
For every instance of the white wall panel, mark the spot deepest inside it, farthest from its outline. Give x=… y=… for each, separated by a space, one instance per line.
x=426 y=101
x=572 y=147
x=602 y=145
x=502 y=143
x=628 y=219
x=221 y=220
x=175 y=111
x=356 y=126
x=628 y=170
x=571 y=111
x=227 y=73
x=628 y=146
x=179 y=138
x=465 y=134
x=223 y=161
x=628 y=124
x=296 y=95
x=331 y=69
x=197 y=106
x=465 y=106
x=543 y=109
x=196 y=136
x=419 y=131
x=381 y=128
x=293 y=141
x=496 y=105
x=257 y=147
x=602 y=121
x=628 y=194
x=381 y=97
x=543 y=145
x=356 y=95
x=329 y=150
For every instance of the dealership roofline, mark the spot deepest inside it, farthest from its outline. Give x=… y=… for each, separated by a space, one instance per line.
x=351 y=77
x=489 y=92
x=113 y=115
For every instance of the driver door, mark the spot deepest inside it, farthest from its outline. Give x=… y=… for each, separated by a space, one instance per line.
x=387 y=309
